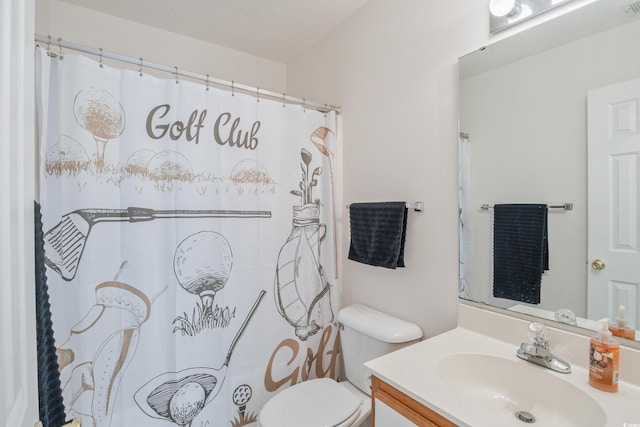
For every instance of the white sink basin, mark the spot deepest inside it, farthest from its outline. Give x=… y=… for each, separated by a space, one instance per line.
x=504 y=389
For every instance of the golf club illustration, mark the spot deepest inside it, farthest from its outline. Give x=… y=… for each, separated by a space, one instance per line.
x=64 y=243
x=180 y=396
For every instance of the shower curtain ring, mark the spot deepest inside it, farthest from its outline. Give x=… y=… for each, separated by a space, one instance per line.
x=49 y=45
x=176 y=74
x=100 y=62
x=140 y=68
x=284 y=100
x=60 y=50
x=207 y=82
x=304 y=105
x=258 y=94
x=233 y=93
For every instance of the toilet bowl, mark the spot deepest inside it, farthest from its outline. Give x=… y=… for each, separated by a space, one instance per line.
x=365 y=334
x=316 y=402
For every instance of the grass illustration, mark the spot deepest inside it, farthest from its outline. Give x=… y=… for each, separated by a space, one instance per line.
x=202 y=319
x=243 y=419
x=141 y=181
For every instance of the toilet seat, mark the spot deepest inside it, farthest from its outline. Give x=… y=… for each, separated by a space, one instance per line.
x=319 y=402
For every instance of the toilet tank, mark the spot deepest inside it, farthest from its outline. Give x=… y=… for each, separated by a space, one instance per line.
x=366 y=334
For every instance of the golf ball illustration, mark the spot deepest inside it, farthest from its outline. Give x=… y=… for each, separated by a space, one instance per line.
x=202 y=263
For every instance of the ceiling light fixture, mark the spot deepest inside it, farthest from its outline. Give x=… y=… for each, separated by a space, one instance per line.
x=505 y=13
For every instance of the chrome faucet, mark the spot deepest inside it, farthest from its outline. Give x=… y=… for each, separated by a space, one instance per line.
x=538 y=350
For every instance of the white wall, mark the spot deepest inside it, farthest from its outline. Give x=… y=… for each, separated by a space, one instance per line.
x=98 y=30
x=393 y=68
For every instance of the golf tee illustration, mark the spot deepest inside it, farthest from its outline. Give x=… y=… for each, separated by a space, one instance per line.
x=201 y=274
x=99 y=113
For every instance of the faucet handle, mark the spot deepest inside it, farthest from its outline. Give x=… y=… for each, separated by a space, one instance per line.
x=538 y=352
x=538 y=334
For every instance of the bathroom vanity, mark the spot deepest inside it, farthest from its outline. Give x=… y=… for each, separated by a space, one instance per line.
x=393 y=408
x=471 y=376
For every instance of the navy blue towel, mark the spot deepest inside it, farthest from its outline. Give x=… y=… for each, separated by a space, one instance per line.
x=49 y=391
x=520 y=251
x=378 y=232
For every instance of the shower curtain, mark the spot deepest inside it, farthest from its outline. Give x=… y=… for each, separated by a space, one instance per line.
x=188 y=239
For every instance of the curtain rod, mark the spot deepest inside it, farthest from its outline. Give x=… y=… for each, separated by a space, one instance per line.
x=49 y=41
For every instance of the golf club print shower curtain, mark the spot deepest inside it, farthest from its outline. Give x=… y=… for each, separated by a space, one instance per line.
x=189 y=244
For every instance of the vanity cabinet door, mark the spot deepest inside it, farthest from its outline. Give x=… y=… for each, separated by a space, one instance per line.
x=392 y=408
x=388 y=417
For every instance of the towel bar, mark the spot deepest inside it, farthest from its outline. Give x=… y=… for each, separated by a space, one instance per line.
x=565 y=206
x=417 y=206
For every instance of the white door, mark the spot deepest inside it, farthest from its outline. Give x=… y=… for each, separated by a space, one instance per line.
x=614 y=201
x=18 y=378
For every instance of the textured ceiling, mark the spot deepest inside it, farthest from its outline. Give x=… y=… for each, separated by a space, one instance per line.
x=273 y=29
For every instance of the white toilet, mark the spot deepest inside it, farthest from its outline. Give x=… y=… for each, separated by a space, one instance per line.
x=365 y=334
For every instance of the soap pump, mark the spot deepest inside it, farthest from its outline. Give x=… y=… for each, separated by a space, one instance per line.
x=604 y=359
x=621 y=327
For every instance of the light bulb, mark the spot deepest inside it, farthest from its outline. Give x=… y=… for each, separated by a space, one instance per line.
x=503 y=7
x=521 y=12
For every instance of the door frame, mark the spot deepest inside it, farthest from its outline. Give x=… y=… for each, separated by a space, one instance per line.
x=18 y=360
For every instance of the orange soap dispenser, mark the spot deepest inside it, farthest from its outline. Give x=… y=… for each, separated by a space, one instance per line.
x=604 y=360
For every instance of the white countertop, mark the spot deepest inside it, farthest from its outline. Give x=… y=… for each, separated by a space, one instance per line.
x=414 y=371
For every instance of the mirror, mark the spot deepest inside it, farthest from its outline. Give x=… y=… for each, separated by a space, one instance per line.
x=524 y=124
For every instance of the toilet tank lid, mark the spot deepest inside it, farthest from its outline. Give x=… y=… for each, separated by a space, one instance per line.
x=378 y=325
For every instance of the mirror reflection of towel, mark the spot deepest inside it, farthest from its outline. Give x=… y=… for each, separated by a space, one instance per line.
x=520 y=251
x=378 y=232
